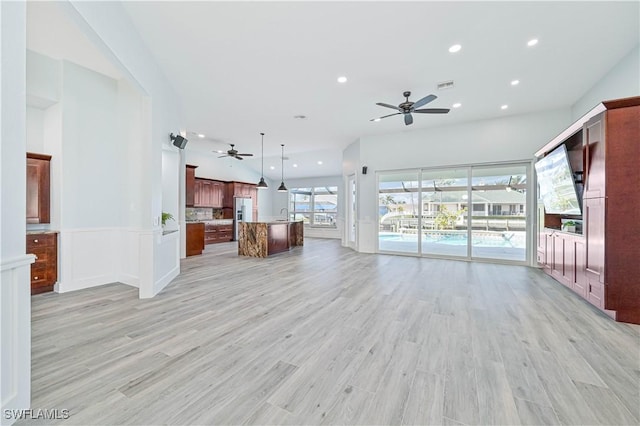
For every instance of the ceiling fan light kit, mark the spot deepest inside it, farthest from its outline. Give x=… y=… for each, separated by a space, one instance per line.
x=407 y=107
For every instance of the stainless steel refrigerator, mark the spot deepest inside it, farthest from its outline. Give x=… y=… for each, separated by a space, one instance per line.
x=243 y=211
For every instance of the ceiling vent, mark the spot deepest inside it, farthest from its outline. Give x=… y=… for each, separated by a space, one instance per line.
x=445 y=85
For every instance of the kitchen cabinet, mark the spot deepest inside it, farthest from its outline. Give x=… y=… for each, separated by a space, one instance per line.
x=195 y=238
x=44 y=271
x=190 y=185
x=242 y=190
x=209 y=193
x=38 y=188
x=215 y=233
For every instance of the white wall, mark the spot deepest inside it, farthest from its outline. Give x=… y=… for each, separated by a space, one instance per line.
x=15 y=304
x=35 y=129
x=94 y=153
x=43 y=75
x=622 y=81
x=513 y=138
x=159 y=113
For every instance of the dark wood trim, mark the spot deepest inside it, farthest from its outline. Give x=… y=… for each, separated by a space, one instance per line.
x=35 y=156
x=622 y=103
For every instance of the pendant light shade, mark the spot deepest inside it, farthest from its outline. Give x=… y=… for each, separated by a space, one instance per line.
x=282 y=188
x=262 y=184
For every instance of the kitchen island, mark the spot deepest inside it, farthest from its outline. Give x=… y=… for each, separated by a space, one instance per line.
x=262 y=239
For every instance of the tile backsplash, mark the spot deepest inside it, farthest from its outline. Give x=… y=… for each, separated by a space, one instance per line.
x=202 y=213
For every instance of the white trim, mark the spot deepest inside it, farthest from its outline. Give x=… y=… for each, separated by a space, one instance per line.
x=16 y=262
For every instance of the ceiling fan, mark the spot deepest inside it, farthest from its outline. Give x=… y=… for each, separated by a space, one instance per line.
x=407 y=107
x=234 y=153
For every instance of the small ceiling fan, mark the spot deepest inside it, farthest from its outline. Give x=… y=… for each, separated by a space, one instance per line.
x=407 y=107
x=234 y=153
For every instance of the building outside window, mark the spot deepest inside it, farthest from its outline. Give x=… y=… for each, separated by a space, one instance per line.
x=316 y=206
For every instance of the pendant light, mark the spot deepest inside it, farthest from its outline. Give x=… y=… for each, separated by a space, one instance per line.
x=282 y=188
x=262 y=184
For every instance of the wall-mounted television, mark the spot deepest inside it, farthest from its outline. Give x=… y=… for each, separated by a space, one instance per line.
x=557 y=186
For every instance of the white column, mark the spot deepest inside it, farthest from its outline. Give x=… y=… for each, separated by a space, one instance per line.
x=15 y=298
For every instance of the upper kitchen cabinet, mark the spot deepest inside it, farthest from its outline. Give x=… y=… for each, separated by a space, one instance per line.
x=38 y=188
x=190 y=182
x=209 y=193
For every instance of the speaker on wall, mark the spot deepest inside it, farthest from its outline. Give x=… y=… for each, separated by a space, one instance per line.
x=178 y=140
x=364 y=170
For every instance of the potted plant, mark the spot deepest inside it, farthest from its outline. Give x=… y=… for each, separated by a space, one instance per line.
x=166 y=217
x=569 y=226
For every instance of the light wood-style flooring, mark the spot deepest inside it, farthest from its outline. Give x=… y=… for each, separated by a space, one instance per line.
x=325 y=335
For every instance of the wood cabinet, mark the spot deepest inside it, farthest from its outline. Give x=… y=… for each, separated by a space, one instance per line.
x=605 y=262
x=195 y=238
x=209 y=193
x=38 y=188
x=242 y=190
x=190 y=184
x=565 y=258
x=215 y=233
x=44 y=271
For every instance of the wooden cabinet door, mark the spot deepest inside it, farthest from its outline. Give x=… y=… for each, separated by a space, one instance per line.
x=594 y=177
x=190 y=182
x=197 y=193
x=217 y=194
x=594 y=226
x=207 y=195
x=569 y=257
x=557 y=267
x=580 y=279
x=548 y=253
x=38 y=188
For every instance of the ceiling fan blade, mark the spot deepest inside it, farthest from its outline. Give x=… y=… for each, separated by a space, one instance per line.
x=424 y=101
x=432 y=110
x=384 y=116
x=222 y=156
x=389 y=106
x=408 y=119
x=246 y=155
x=237 y=157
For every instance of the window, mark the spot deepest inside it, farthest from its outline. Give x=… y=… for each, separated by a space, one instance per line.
x=317 y=206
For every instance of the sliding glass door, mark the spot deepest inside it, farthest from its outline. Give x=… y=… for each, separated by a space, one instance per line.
x=444 y=210
x=470 y=212
x=398 y=207
x=499 y=221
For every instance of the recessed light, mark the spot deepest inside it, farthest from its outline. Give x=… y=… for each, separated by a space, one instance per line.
x=272 y=167
x=300 y=117
x=532 y=42
x=515 y=82
x=504 y=106
x=200 y=135
x=342 y=79
x=320 y=163
x=455 y=48
x=457 y=105
x=295 y=165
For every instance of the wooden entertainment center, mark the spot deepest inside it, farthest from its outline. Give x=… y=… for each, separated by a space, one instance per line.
x=602 y=264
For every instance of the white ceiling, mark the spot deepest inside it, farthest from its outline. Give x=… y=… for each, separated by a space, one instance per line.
x=242 y=68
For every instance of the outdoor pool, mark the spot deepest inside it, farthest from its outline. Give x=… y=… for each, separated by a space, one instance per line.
x=484 y=244
x=503 y=239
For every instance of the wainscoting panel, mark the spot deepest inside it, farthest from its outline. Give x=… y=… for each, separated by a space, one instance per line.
x=88 y=258
x=15 y=336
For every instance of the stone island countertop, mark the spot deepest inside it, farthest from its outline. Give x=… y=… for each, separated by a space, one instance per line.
x=262 y=239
